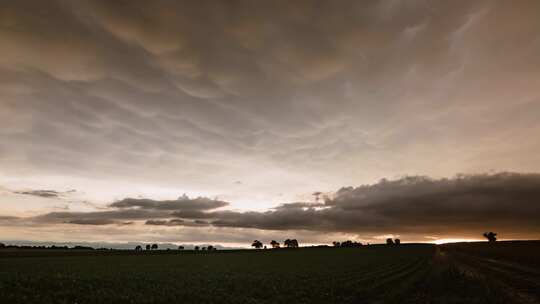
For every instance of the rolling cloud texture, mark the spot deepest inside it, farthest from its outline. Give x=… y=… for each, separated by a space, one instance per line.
x=261 y=103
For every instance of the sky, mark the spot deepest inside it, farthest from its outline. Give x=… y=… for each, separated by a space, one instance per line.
x=228 y=121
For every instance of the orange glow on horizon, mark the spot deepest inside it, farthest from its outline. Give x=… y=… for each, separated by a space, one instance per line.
x=454 y=240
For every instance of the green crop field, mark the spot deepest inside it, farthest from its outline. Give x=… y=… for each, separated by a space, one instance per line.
x=458 y=273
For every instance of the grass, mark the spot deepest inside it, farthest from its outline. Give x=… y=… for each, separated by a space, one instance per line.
x=371 y=274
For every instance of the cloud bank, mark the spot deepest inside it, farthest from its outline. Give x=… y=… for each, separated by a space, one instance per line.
x=411 y=206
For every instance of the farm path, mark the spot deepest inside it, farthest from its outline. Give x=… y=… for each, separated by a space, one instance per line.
x=519 y=282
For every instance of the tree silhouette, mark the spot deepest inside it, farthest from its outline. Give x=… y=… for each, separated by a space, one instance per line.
x=274 y=244
x=397 y=241
x=2 y=245
x=389 y=241
x=348 y=243
x=257 y=244
x=148 y=247
x=180 y=247
x=196 y=248
x=154 y=246
x=138 y=248
x=491 y=236
x=210 y=248
x=291 y=243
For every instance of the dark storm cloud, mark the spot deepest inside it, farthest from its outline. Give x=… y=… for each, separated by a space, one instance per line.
x=138 y=209
x=505 y=201
x=467 y=204
x=91 y=222
x=192 y=214
x=183 y=203
x=99 y=217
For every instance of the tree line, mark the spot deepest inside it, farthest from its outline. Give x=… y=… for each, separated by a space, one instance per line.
x=293 y=243
x=288 y=243
x=52 y=247
x=156 y=247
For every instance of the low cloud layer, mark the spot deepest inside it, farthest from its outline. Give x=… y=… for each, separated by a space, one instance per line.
x=414 y=205
x=411 y=206
x=183 y=203
x=45 y=193
x=135 y=209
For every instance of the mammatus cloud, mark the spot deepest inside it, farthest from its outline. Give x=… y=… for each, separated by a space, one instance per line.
x=416 y=205
x=285 y=96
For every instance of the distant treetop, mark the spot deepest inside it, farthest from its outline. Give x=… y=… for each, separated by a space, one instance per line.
x=291 y=243
x=257 y=244
x=490 y=236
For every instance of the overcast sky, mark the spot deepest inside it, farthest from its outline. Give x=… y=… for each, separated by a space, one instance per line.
x=217 y=121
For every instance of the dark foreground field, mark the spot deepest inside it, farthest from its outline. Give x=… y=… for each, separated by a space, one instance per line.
x=506 y=272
